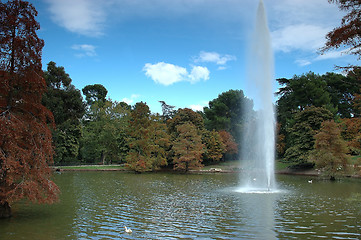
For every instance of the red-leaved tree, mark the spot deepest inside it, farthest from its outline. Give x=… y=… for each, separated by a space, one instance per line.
x=25 y=138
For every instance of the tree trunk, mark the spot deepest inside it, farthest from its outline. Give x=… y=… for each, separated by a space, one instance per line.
x=102 y=157
x=5 y=210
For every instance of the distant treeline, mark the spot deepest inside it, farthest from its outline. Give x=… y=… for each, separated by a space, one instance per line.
x=102 y=131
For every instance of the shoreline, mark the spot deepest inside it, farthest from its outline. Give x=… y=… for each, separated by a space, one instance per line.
x=110 y=168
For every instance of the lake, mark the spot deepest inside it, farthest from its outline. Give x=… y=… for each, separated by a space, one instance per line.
x=97 y=205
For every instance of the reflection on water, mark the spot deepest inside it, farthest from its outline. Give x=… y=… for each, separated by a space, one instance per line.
x=97 y=205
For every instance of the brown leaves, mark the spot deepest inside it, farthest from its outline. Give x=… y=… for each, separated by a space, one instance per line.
x=25 y=138
x=349 y=33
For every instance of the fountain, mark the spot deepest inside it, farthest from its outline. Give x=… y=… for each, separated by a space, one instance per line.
x=258 y=146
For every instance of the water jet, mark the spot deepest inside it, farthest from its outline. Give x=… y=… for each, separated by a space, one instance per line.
x=258 y=134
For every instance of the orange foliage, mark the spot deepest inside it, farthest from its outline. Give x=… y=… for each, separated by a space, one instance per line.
x=351 y=128
x=25 y=138
x=229 y=142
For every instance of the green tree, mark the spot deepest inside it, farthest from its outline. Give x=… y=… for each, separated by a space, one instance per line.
x=295 y=95
x=104 y=133
x=168 y=111
x=67 y=106
x=226 y=112
x=330 y=152
x=307 y=124
x=342 y=90
x=94 y=93
x=188 y=148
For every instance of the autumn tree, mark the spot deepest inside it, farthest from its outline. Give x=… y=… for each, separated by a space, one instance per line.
x=188 y=148
x=25 y=138
x=231 y=147
x=330 y=152
x=147 y=140
x=215 y=148
x=350 y=132
x=185 y=115
x=349 y=33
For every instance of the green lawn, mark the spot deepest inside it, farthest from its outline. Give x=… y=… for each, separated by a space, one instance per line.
x=93 y=167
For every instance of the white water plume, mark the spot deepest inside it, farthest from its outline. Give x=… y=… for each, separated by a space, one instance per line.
x=258 y=137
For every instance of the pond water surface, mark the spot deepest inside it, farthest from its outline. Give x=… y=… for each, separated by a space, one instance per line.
x=97 y=205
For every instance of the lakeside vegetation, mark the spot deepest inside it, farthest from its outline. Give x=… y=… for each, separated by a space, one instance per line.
x=44 y=119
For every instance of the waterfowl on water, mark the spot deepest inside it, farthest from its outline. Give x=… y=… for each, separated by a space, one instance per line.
x=128 y=230
x=310 y=181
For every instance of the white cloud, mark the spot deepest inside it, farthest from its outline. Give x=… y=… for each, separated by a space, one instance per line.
x=299 y=37
x=196 y=107
x=214 y=57
x=85 y=17
x=165 y=73
x=168 y=74
x=84 y=50
x=132 y=98
x=332 y=54
x=199 y=73
x=200 y=106
x=302 y=62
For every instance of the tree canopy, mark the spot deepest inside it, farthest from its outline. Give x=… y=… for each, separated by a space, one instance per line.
x=226 y=112
x=94 y=93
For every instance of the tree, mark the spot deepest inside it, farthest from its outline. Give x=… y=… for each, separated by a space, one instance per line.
x=167 y=110
x=342 y=90
x=147 y=140
x=25 y=138
x=349 y=33
x=300 y=92
x=214 y=146
x=185 y=115
x=350 y=132
x=94 y=93
x=188 y=148
x=307 y=124
x=104 y=133
x=66 y=104
x=330 y=152
x=229 y=143
x=226 y=112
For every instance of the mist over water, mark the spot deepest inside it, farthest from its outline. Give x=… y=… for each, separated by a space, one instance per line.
x=258 y=137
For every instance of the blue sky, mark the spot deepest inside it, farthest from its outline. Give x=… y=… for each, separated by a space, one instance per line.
x=183 y=52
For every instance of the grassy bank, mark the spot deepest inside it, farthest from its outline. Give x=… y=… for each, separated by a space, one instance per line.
x=92 y=167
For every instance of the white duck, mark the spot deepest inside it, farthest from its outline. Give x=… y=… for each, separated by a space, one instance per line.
x=128 y=230
x=310 y=181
